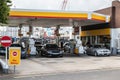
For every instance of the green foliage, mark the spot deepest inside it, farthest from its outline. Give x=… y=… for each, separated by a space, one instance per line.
x=4 y=10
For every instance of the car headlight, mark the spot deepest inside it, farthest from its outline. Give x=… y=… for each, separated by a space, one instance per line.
x=61 y=51
x=100 y=51
x=2 y=51
x=109 y=51
x=118 y=50
x=49 y=52
x=23 y=52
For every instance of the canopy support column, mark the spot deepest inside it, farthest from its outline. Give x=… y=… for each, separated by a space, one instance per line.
x=30 y=30
x=57 y=34
x=20 y=30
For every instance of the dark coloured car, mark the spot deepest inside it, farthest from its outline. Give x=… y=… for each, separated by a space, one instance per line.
x=2 y=51
x=51 y=50
x=24 y=40
x=23 y=51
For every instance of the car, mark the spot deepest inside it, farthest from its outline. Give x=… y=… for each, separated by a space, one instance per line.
x=38 y=45
x=24 y=40
x=73 y=41
x=66 y=47
x=118 y=51
x=97 y=50
x=2 y=51
x=39 y=40
x=23 y=50
x=51 y=50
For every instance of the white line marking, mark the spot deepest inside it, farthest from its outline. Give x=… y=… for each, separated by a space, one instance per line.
x=5 y=41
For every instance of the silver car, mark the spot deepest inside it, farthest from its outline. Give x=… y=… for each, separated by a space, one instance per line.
x=98 y=50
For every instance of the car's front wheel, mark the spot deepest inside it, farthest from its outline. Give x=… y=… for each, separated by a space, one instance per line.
x=96 y=54
x=41 y=52
x=61 y=55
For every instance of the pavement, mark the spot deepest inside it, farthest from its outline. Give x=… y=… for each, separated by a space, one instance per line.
x=88 y=75
x=43 y=66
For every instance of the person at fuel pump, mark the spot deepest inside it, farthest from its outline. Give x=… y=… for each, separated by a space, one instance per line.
x=80 y=46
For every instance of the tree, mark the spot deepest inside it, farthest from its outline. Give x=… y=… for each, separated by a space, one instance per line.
x=4 y=10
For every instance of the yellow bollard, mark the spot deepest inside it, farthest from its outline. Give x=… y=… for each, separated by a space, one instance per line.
x=29 y=51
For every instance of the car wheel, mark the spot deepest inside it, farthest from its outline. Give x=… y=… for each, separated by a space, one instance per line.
x=61 y=55
x=96 y=54
x=42 y=55
x=25 y=57
x=37 y=54
x=69 y=51
x=108 y=54
x=64 y=50
x=84 y=52
x=87 y=53
x=41 y=52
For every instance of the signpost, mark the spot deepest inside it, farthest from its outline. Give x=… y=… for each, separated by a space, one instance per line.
x=6 y=41
x=14 y=55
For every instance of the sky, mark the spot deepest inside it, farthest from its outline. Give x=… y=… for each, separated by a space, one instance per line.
x=72 y=5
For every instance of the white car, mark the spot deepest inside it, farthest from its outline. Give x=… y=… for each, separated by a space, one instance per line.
x=97 y=50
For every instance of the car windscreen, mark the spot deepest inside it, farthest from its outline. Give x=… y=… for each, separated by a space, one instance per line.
x=49 y=46
x=97 y=46
x=37 y=42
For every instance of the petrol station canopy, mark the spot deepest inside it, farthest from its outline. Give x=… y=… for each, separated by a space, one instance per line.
x=53 y=18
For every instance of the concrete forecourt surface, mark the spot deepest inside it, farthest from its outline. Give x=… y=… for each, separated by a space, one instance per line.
x=45 y=66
